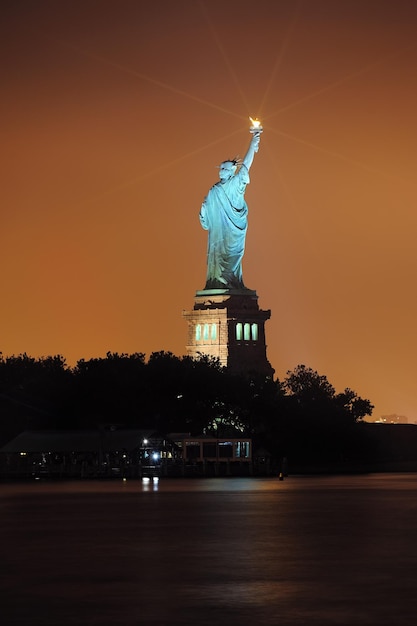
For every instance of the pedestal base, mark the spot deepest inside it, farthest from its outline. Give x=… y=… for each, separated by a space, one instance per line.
x=228 y=325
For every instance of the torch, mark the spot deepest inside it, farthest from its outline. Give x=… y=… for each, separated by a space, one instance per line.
x=256 y=127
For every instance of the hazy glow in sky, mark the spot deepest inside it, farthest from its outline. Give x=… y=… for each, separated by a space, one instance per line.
x=114 y=117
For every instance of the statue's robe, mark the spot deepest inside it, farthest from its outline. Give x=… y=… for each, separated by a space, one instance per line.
x=224 y=213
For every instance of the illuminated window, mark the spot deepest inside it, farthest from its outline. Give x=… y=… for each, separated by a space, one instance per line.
x=206 y=332
x=242 y=449
x=198 y=332
x=213 y=332
x=239 y=331
x=255 y=332
x=246 y=332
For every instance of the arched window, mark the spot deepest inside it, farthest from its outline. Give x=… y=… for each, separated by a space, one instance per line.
x=213 y=332
x=246 y=332
x=198 y=332
x=254 y=332
x=239 y=331
x=206 y=332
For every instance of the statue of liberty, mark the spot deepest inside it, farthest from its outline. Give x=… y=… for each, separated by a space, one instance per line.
x=224 y=213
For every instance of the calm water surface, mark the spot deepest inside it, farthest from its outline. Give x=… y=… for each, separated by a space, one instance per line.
x=305 y=551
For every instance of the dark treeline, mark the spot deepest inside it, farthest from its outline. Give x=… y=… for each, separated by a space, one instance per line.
x=301 y=416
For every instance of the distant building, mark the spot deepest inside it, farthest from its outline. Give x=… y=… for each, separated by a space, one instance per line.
x=80 y=453
x=210 y=449
x=392 y=419
x=107 y=453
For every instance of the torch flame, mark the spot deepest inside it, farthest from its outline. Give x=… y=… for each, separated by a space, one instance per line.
x=255 y=123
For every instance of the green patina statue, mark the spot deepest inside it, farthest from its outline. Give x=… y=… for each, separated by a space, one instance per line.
x=224 y=213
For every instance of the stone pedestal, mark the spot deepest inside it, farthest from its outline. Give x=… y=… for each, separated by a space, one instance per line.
x=229 y=325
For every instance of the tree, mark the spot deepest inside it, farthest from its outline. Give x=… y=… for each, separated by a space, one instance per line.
x=353 y=406
x=109 y=390
x=319 y=424
x=34 y=393
x=307 y=385
x=301 y=417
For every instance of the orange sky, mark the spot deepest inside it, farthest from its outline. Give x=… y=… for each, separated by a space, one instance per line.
x=114 y=115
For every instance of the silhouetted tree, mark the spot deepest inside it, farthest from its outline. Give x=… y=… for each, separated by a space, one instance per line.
x=319 y=422
x=34 y=393
x=353 y=406
x=301 y=417
x=110 y=390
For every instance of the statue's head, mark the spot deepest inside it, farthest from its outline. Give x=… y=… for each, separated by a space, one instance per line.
x=227 y=169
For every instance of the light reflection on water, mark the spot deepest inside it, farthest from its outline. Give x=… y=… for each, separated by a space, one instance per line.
x=308 y=550
x=293 y=483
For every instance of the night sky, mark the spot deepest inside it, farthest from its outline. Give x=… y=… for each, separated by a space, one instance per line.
x=114 y=116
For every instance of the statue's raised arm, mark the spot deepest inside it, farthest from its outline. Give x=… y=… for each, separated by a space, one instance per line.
x=253 y=147
x=224 y=214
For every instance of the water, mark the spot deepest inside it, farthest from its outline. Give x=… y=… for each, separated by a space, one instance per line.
x=305 y=551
